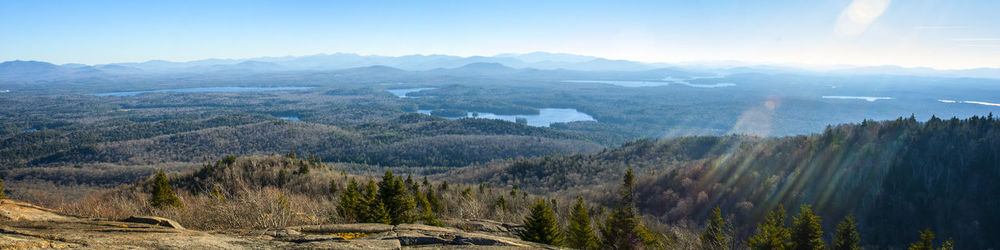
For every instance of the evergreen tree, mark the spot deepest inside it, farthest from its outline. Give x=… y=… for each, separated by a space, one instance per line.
x=580 y=234
x=303 y=168
x=846 y=236
x=375 y=211
x=3 y=193
x=950 y=244
x=541 y=225
x=291 y=154
x=926 y=241
x=806 y=230
x=623 y=229
x=393 y=196
x=163 y=194
x=773 y=234
x=714 y=236
x=229 y=160
x=500 y=204
x=412 y=185
x=426 y=214
x=433 y=200
x=282 y=177
x=352 y=204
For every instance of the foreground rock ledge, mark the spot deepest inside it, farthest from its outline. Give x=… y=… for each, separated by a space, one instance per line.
x=24 y=225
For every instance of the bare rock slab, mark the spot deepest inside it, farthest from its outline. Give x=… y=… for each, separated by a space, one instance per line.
x=153 y=220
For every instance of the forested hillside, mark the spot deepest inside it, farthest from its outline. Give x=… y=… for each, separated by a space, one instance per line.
x=897 y=177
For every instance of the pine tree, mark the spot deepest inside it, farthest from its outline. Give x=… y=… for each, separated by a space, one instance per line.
x=375 y=211
x=926 y=241
x=3 y=193
x=433 y=200
x=949 y=244
x=806 y=230
x=333 y=187
x=623 y=229
x=500 y=204
x=714 y=236
x=580 y=234
x=541 y=225
x=427 y=215
x=303 y=169
x=412 y=185
x=283 y=177
x=393 y=196
x=846 y=236
x=351 y=203
x=163 y=194
x=773 y=234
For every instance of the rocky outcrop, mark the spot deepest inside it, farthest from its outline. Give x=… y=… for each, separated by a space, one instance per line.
x=23 y=225
x=485 y=226
x=11 y=210
x=405 y=235
x=152 y=220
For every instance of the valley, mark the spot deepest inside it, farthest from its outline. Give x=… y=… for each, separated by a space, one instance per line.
x=746 y=143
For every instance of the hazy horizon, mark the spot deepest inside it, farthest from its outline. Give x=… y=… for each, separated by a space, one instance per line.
x=934 y=34
x=706 y=63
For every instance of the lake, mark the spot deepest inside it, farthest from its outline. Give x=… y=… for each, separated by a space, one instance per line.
x=972 y=102
x=544 y=118
x=663 y=82
x=202 y=90
x=866 y=98
x=289 y=118
x=623 y=83
x=401 y=93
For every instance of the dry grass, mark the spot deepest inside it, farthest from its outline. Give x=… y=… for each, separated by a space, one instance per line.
x=251 y=194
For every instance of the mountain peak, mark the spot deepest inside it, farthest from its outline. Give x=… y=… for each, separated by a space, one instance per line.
x=484 y=65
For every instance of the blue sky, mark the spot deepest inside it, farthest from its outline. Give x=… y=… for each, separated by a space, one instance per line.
x=946 y=34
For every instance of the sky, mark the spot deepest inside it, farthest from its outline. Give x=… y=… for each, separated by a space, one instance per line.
x=943 y=34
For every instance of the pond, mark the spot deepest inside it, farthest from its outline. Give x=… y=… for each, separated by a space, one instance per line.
x=289 y=118
x=202 y=90
x=401 y=93
x=544 y=118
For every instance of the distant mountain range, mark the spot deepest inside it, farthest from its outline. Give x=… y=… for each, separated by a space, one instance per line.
x=537 y=63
